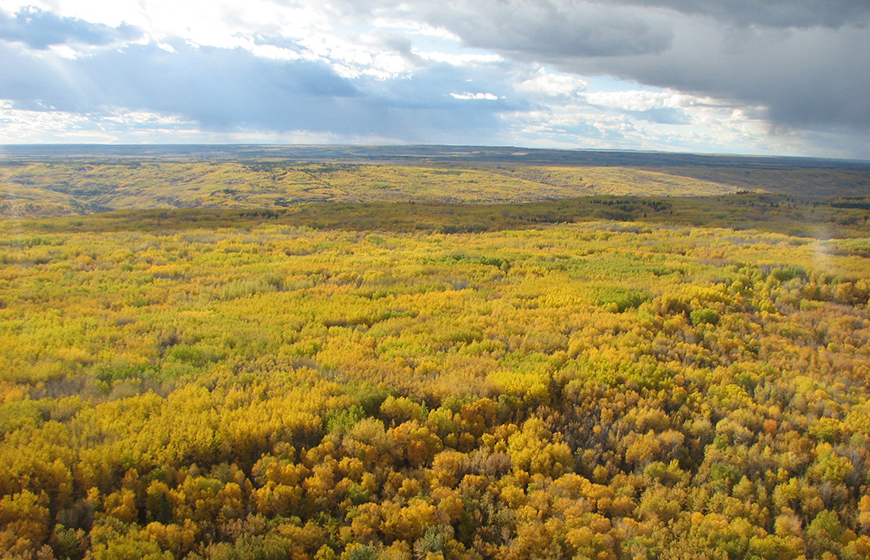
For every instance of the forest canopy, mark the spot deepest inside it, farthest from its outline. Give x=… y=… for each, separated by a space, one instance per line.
x=251 y=384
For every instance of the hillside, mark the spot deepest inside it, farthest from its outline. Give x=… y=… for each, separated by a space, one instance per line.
x=47 y=181
x=54 y=189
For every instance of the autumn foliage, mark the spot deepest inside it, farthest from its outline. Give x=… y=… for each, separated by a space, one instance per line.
x=597 y=390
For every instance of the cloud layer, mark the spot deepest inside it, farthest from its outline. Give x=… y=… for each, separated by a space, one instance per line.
x=806 y=62
x=226 y=89
x=787 y=76
x=40 y=30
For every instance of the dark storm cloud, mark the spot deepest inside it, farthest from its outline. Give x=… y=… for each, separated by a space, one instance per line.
x=807 y=78
x=806 y=62
x=551 y=28
x=773 y=13
x=231 y=89
x=40 y=30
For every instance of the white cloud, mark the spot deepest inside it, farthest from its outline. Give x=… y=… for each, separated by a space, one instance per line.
x=466 y=95
x=642 y=100
x=65 y=51
x=119 y=125
x=459 y=59
x=415 y=27
x=551 y=84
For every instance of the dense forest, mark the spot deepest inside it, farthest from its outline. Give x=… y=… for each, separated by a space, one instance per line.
x=603 y=378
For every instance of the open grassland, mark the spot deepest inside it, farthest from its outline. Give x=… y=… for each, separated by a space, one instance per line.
x=810 y=182
x=53 y=189
x=572 y=181
x=57 y=188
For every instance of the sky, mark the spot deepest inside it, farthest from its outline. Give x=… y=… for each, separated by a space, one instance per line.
x=777 y=77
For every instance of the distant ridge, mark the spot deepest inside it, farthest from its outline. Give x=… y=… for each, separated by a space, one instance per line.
x=424 y=153
x=59 y=180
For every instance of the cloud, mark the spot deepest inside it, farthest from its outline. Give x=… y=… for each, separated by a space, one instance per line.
x=40 y=30
x=639 y=100
x=805 y=63
x=544 y=28
x=232 y=89
x=816 y=77
x=466 y=95
x=772 y=13
x=549 y=85
x=754 y=75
